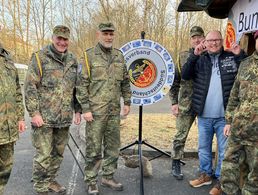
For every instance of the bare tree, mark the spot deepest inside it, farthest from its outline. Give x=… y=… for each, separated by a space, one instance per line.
x=105 y=5
x=28 y=24
x=40 y=17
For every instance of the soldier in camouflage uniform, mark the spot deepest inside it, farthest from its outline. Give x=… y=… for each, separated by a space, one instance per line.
x=50 y=101
x=103 y=82
x=12 y=115
x=242 y=128
x=180 y=95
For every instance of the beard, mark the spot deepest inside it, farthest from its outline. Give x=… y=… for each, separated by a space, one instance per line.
x=106 y=45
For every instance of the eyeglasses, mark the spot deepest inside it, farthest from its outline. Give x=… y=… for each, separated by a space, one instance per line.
x=213 y=40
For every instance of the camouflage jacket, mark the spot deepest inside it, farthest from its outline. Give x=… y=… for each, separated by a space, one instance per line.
x=104 y=83
x=182 y=90
x=52 y=94
x=11 y=104
x=242 y=108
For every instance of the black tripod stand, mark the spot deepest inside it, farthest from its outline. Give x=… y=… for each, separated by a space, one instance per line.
x=139 y=142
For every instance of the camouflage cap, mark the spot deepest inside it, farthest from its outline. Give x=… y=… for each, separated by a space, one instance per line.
x=255 y=35
x=196 y=30
x=107 y=26
x=61 y=31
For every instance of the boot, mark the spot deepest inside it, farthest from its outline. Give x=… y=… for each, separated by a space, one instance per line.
x=176 y=170
x=112 y=183
x=216 y=190
x=56 y=187
x=93 y=189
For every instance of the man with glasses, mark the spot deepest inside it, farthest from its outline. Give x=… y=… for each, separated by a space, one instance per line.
x=213 y=71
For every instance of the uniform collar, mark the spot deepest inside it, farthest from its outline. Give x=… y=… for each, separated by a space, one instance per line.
x=57 y=54
x=112 y=54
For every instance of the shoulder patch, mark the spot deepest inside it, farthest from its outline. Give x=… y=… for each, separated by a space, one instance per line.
x=79 y=68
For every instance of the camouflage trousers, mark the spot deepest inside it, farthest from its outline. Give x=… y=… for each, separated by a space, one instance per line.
x=50 y=145
x=183 y=125
x=236 y=157
x=102 y=142
x=6 y=164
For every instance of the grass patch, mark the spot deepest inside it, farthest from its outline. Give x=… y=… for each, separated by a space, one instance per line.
x=157 y=129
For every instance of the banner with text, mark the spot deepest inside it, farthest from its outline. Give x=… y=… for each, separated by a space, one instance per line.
x=243 y=18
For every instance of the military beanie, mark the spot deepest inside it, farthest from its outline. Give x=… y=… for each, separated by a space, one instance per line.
x=196 y=31
x=107 y=26
x=61 y=31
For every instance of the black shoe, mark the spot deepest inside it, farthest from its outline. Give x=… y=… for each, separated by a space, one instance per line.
x=176 y=170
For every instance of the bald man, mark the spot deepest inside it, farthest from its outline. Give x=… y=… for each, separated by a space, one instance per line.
x=213 y=71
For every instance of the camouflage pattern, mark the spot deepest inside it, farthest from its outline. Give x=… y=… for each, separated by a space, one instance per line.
x=52 y=95
x=11 y=111
x=236 y=159
x=6 y=164
x=11 y=104
x=50 y=145
x=242 y=108
x=107 y=83
x=180 y=93
x=108 y=26
x=183 y=126
x=106 y=128
x=99 y=91
x=196 y=31
x=242 y=113
x=182 y=90
x=61 y=31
